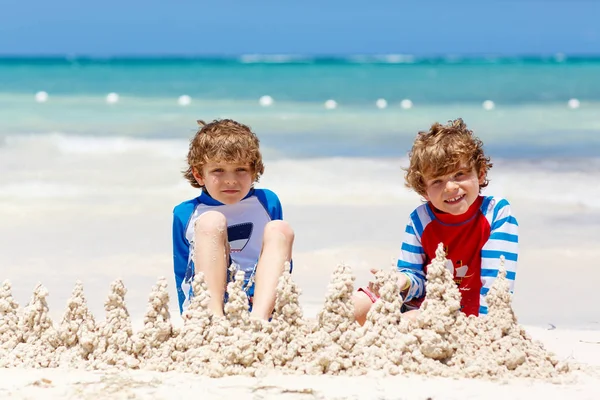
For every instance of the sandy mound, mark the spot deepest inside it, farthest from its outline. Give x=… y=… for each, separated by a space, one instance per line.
x=441 y=342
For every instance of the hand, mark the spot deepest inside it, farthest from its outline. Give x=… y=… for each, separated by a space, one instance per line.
x=402 y=282
x=372 y=287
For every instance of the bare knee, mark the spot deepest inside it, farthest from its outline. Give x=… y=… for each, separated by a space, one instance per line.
x=362 y=305
x=279 y=229
x=211 y=223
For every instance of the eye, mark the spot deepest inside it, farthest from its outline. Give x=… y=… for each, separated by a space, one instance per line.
x=436 y=182
x=217 y=170
x=241 y=169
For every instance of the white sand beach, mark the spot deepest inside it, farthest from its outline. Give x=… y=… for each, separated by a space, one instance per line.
x=109 y=217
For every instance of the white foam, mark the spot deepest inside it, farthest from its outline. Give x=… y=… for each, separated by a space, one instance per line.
x=114 y=165
x=399 y=58
x=566 y=184
x=273 y=58
x=60 y=143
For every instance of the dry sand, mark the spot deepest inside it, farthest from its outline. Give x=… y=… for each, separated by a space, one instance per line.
x=290 y=356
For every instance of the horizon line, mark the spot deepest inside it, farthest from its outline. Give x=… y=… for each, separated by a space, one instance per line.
x=300 y=55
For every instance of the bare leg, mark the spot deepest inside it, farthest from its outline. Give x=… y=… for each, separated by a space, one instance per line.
x=362 y=305
x=276 y=250
x=211 y=255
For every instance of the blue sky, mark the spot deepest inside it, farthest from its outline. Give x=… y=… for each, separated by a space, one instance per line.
x=230 y=27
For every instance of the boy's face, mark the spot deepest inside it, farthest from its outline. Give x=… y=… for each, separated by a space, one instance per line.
x=226 y=182
x=456 y=192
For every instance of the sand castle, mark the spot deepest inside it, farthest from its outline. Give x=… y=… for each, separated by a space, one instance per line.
x=442 y=341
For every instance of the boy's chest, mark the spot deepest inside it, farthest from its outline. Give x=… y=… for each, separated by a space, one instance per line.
x=246 y=222
x=463 y=244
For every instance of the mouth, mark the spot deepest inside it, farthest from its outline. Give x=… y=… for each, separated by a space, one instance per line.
x=454 y=200
x=231 y=191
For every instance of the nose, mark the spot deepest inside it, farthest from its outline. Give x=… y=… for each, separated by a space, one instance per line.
x=450 y=186
x=230 y=179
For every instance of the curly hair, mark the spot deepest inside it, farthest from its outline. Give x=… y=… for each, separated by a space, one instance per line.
x=442 y=150
x=223 y=140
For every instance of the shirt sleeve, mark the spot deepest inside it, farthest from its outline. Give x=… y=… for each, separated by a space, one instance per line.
x=503 y=241
x=412 y=258
x=181 y=251
x=270 y=202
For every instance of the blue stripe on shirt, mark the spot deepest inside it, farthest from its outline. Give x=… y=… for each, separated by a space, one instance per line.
x=412 y=249
x=485 y=204
x=496 y=254
x=499 y=206
x=430 y=212
x=494 y=273
x=483 y=310
x=507 y=237
x=404 y=264
x=508 y=220
x=417 y=223
x=410 y=230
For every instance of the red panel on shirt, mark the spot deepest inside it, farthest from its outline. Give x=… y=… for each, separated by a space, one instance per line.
x=463 y=237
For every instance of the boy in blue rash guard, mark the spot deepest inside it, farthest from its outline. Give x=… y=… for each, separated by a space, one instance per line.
x=231 y=222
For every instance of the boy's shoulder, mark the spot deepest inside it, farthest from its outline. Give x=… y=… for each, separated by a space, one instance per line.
x=266 y=197
x=490 y=206
x=187 y=203
x=269 y=200
x=266 y=194
x=494 y=204
x=187 y=207
x=184 y=209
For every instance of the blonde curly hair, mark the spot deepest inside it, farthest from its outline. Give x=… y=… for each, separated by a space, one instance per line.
x=223 y=140
x=441 y=151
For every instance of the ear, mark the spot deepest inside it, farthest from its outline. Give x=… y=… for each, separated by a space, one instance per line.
x=423 y=184
x=481 y=176
x=198 y=176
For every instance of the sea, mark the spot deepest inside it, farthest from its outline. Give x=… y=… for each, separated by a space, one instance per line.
x=541 y=111
x=367 y=106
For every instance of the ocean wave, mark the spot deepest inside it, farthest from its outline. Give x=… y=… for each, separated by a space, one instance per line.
x=94 y=145
x=117 y=169
x=275 y=59
x=266 y=58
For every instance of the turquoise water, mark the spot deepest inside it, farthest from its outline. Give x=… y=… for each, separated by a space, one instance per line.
x=531 y=117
